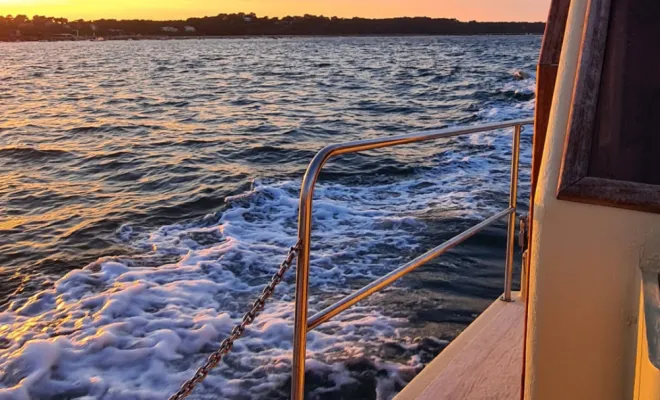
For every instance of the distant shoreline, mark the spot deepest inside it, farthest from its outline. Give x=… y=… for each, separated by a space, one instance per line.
x=272 y=37
x=23 y=29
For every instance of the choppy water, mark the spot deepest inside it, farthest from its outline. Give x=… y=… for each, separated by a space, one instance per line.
x=149 y=189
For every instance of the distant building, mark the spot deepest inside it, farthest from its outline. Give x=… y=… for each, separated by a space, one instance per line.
x=189 y=28
x=247 y=19
x=169 y=29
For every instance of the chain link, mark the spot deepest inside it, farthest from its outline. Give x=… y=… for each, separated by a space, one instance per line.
x=238 y=330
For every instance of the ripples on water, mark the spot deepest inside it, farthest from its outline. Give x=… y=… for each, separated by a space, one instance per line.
x=149 y=189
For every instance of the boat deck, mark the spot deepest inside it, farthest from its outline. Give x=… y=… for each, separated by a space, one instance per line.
x=484 y=362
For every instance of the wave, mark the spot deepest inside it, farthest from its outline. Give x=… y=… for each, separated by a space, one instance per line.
x=265 y=154
x=517 y=95
x=32 y=154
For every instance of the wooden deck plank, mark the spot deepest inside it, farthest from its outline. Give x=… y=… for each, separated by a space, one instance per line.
x=485 y=362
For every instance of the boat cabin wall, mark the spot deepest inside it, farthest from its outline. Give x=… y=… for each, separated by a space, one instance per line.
x=584 y=301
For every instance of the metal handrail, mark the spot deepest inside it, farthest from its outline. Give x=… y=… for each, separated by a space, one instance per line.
x=302 y=325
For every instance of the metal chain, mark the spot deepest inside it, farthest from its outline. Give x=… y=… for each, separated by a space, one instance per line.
x=227 y=344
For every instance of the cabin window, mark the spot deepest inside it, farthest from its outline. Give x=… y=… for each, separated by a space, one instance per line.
x=612 y=153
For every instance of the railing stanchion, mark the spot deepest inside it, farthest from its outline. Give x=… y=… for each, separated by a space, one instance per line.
x=513 y=203
x=302 y=274
x=300 y=323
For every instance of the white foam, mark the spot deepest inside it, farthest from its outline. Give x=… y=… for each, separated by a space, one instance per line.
x=117 y=330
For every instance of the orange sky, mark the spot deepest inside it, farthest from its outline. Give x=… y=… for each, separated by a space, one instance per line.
x=481 y=10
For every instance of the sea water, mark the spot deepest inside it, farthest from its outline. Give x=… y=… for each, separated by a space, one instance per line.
x=149 y=189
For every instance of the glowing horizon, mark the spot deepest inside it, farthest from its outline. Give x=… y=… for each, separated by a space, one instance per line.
x=465 y=10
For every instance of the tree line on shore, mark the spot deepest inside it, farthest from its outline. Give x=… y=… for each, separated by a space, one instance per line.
x=21 y=27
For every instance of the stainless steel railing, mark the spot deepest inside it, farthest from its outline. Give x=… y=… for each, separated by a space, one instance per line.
x=302 y=324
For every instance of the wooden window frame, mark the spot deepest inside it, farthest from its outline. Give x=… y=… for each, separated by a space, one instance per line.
x=574 y=182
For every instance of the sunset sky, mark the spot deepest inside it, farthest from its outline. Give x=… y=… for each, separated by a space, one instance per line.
x=481 y=10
